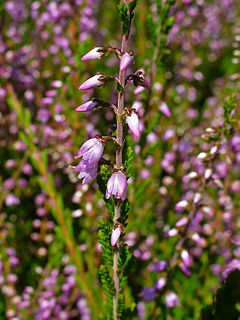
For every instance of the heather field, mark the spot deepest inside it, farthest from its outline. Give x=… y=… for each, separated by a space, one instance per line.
x=119 y=159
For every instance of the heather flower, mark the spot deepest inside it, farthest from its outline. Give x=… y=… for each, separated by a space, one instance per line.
x=165 y=110
x=87 y=106
x=133 y=123
x=11 y=200
x=91 y=152
x=88 y=175
x=148 y=294
x=116 y=232
x=96 y=81
x=95 y=53
x=171 y=300
x=126 y=61
x=117 y=186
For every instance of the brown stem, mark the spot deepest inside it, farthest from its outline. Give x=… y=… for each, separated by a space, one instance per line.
x=118 y=165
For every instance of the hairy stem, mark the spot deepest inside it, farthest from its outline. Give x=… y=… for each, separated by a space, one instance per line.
x=118 y=165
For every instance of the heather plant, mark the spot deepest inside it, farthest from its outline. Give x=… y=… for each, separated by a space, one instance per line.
x=119 y=200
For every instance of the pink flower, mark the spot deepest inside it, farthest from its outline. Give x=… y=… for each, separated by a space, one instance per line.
x=116 y=232
x=171 y=300
x=91 y=152
x=117 y=186
x=126 y=60
x=89 y=105
x=96 y=81
x=133 y=124
x=165 y=110
x=88 y=175
x=11 y=200
x=95 y=53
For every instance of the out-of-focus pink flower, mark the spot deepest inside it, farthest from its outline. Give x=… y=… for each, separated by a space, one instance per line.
x=96 y=81
x=164 y=109
x=87 y=106
x=117 y=186
x=133 y=124
x=171 y=300
x=95 y=53
x=11 y=200
x=116 y=232
x=126 y=61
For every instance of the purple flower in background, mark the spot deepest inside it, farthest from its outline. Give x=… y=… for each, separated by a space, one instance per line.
x=11 y=200
x=91 y=152
x=164 y=109
x=171 y=300
x=95 y=53
x=117 y=186
x=126 y=61
x=116 y=232
x=87 y=106
x=148 y=294
x=133 y=124
x=231 y=266
x=160 y=283
x=96 y=81
x=160 y=266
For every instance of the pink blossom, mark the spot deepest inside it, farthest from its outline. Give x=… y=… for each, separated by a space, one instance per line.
x=133 y=124
x=117 y=186
x=95 y=53
x=116 y=232
x=87 y=106
x=91 y=152
x=126 y=61
x=164 y=109
x=96 y=81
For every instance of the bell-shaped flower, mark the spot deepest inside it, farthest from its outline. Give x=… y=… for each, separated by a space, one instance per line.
x=91 y=152
x=126 y=61
x=95 y=53
x=164 y=109
x=96 y=81
x=117 y=186
x=88 y=175
x=133 y=123
x=87 y=106
x=116 y=232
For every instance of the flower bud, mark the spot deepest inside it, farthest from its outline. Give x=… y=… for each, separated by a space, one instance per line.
x=133 y=123
x=95 y=53
x=87 y=106
x=116 y=232
x=126 y=61
x=96 y=81
x=165 y=110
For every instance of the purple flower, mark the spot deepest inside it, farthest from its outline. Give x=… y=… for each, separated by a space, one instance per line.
x=171 y=300
x=126 y=60
x=91 y=152
x=160 y=266
x=87 y=106
x=11 y=200
x=117 y=186
x=133 y=124
x=231 y=266
x=116 y=232
x=96 y=81
x=95 y=53
x=165 y=110
x=148 y=294
x=88 y=175
x=160 y=283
